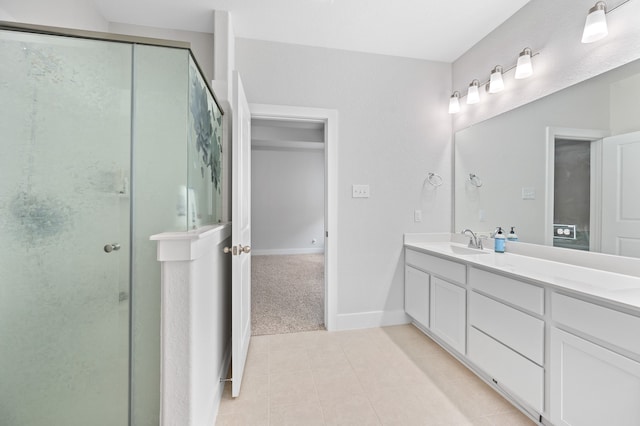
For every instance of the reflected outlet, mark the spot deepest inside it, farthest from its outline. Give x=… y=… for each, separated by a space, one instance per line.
x=360 y=191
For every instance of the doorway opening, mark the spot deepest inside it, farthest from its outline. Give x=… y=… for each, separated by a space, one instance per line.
x=294 y=218
x=287 y=216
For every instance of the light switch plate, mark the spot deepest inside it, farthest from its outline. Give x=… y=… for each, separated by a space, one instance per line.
x=360 y=191
x=417 y=215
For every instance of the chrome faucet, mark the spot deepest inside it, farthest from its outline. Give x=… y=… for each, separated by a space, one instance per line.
x=474 y=241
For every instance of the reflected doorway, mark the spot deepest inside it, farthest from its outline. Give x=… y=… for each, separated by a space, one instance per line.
x=574 y=171
x=572 y=194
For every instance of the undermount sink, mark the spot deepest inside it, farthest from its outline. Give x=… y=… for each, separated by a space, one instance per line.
x=452 y=248
x=466 y=250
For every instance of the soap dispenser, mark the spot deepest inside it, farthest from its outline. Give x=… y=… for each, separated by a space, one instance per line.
x=499 y=241
x=512 y=235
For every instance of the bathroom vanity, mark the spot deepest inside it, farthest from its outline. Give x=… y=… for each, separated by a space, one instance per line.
x=558 y=338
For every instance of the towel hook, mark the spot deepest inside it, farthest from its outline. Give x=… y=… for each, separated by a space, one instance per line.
x=475 y=180
x=434 y=179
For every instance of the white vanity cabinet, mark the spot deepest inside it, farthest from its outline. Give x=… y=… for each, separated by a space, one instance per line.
x=435 y=296
x=506 y=336
x=561 y=341
x=595 y=373
x=416 y=295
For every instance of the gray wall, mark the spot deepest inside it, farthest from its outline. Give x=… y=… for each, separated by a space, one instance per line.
x=287 y=201
x=79 y=14
x=201 y=43
x=393 y=130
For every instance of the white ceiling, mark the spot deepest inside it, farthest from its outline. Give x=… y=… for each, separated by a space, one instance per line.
x=425 y=29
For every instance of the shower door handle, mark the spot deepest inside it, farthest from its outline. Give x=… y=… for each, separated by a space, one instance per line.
x=111 y=247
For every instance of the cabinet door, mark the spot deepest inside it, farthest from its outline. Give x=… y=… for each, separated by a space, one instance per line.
x=591 y=385
x=416 y=295
x=448 y=313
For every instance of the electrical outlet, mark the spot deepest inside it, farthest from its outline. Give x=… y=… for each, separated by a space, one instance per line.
x=417 y=215
x=528 y=193
x=360 y=191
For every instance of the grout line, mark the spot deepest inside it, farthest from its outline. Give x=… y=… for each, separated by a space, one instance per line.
x=268 y=356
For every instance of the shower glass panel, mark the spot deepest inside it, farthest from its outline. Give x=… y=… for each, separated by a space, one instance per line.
x=65 y=122
x=159 y=176
x=204 y=138
x=176 y=157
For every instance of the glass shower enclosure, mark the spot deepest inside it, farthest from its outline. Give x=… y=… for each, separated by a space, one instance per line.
x=104 y=143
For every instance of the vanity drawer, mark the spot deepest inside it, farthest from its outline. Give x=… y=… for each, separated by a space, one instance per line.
x=513 y=372
x=611 y=326
x=526 y=296
x=449 y=270
x=519 y=331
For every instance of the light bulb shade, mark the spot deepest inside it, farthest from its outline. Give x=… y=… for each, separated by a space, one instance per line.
x=595 y=27
x=454 y=103
x=524 y=68
x=473 y=95
x=496 y=84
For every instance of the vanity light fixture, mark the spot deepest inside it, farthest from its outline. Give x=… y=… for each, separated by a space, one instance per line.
x=524 y=68
x=454 y=103
x=473 y=94
x=496 y=84
x=595 y=27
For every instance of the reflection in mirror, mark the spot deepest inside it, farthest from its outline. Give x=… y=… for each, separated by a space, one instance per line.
x=562 y=169
x=572 y=194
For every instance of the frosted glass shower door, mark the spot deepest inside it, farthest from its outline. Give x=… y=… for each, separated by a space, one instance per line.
x=65 y=122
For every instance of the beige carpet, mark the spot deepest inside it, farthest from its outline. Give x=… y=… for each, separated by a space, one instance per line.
x=287 y=293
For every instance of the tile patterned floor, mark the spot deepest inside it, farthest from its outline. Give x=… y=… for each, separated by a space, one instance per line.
x=382 y=376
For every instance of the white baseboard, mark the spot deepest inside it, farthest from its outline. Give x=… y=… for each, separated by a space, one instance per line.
x=371 y=319
x=222 y=373
x=268 y=252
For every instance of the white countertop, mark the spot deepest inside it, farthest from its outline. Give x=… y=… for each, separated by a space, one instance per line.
x=620 y=289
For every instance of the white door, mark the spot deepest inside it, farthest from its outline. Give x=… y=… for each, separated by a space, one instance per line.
x=620 y=201
x=240 y=234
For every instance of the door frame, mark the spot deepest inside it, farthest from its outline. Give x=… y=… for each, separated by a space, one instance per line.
x=330 y=119
x=594 y=136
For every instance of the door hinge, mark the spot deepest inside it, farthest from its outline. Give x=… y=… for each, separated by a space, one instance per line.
x=326 y=234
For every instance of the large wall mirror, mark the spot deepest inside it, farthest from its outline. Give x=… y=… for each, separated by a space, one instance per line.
x=563 y=170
